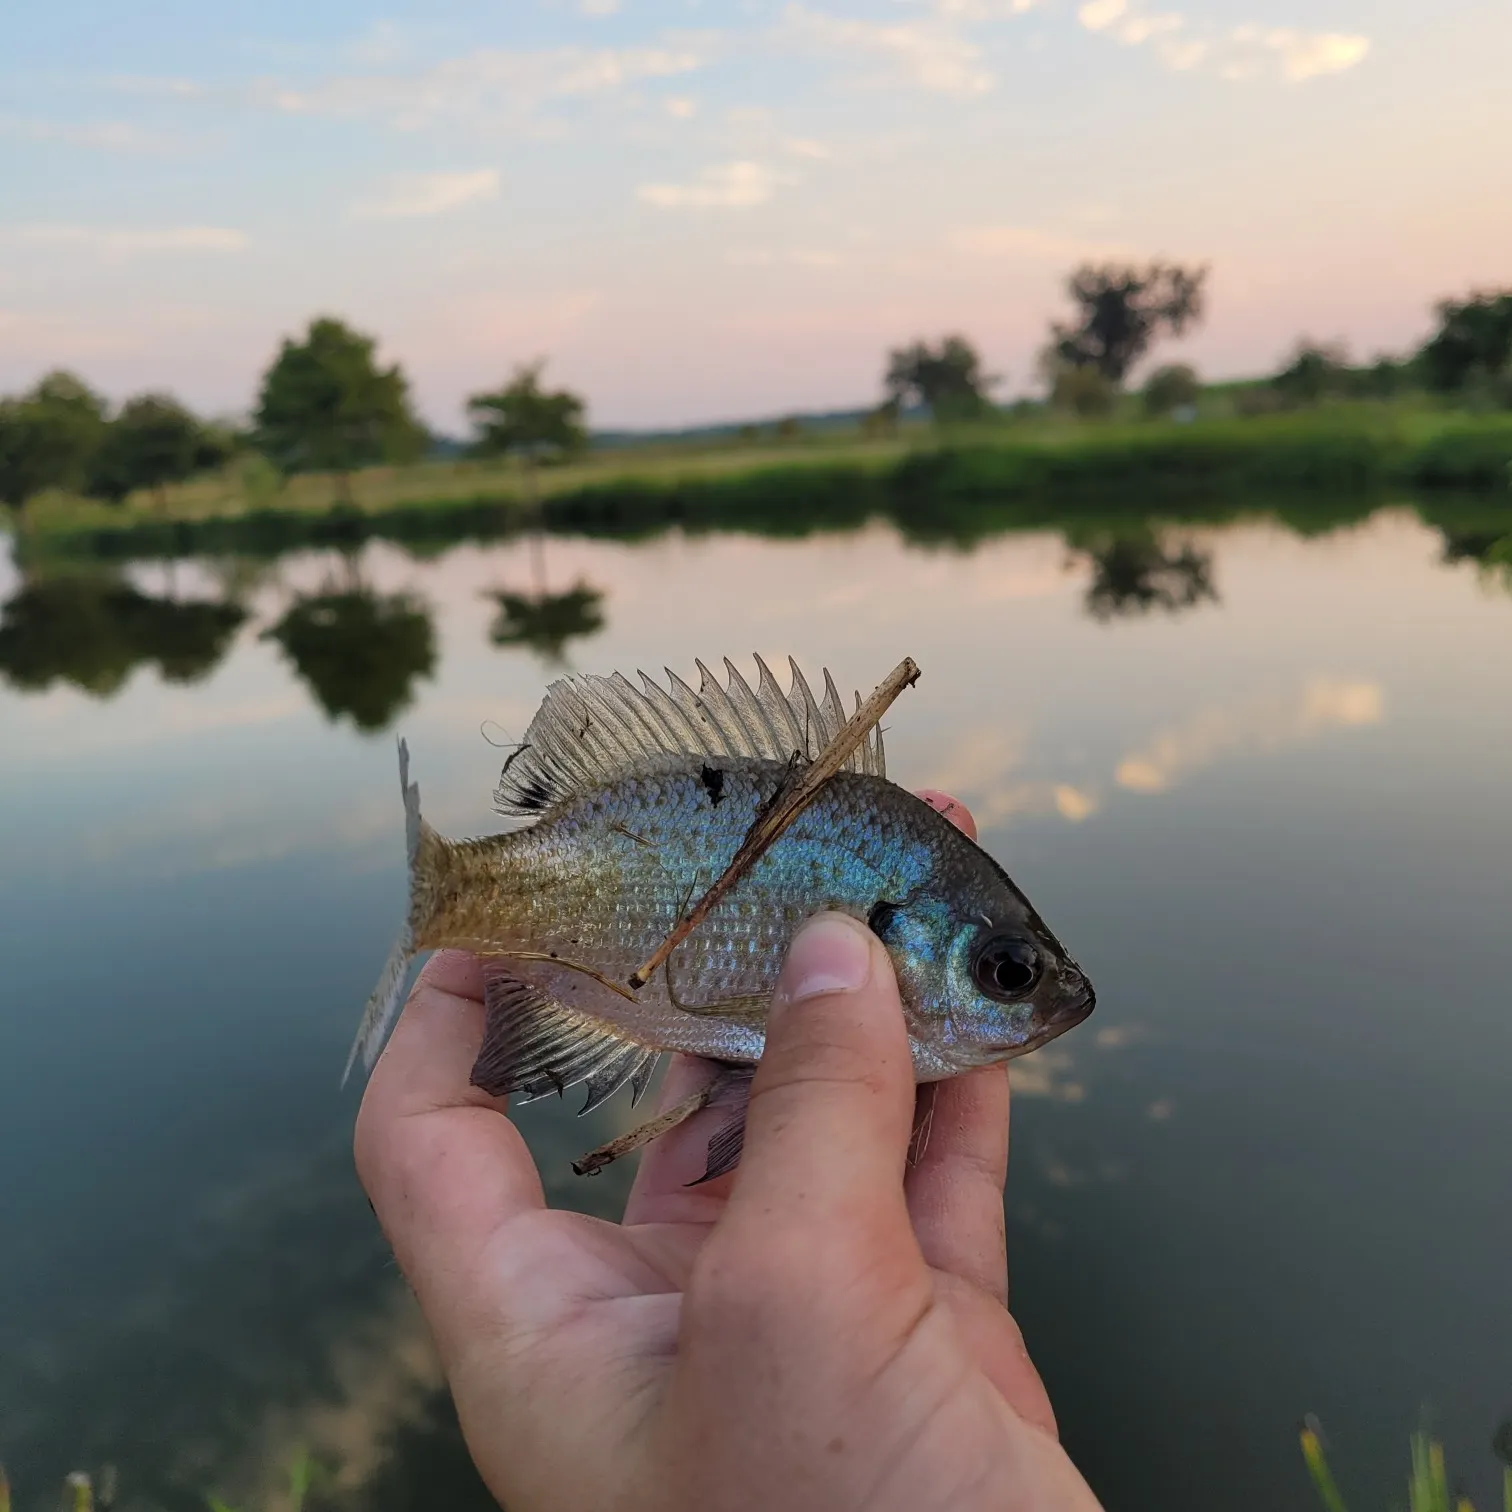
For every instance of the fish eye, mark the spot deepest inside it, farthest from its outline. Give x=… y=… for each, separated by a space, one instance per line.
x=1005 y=967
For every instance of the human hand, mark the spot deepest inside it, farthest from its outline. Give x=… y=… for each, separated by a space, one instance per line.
x=825 y=1328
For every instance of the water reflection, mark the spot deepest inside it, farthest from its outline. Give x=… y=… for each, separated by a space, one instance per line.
x=1243 y=727
x=1133 y=574
x=1296 y=1029
x=359 y=651
x=92 y=630
x=545 y=622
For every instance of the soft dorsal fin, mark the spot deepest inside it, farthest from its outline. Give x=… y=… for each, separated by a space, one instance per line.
x=590 y=731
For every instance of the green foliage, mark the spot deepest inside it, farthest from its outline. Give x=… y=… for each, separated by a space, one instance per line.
x=947 y=380
x=93 y=630
x=1428 y=1488
x=326 y=405
x=1473 y=344
x=153 y=441
x=883 y=420
x=1081 y=391
x=1026 y=472
x=48 y=438
x=1121 y=309
x=1316 y=371
x=524 y=419
x=358 y=651
x=1171 y=388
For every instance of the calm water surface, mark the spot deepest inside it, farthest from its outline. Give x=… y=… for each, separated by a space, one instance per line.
x=1272 y=815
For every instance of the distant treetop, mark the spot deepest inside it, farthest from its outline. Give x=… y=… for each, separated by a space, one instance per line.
x=326 y=405
x=527 y=420
x=1121 y=309
x=947 y=380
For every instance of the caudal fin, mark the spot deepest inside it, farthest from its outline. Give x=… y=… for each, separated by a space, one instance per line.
x=423 y=850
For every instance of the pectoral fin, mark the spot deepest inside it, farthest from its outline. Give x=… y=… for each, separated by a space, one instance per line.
x=732 y=1097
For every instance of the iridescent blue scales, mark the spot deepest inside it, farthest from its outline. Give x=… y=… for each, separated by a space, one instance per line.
x=637 y=799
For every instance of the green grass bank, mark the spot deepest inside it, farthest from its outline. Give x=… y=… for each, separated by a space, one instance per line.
x=1323 y=465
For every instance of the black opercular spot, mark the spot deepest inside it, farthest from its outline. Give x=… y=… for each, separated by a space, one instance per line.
x=879 y=920
x=713 y=781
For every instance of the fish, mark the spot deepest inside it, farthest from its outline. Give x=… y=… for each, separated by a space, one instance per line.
x=632 y=803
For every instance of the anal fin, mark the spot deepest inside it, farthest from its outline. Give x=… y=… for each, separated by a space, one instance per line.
x=534 y=1045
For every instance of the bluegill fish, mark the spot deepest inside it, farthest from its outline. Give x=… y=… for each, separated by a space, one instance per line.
x=637 y=799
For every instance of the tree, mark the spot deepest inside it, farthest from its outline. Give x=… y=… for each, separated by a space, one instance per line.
x=947 y=380
x=526 y=420
x=1080 y=391
x=1315 y=371
x=1473 y=343
x=1170 y=388
x=326 y=405
x=154 y=441
x=1121 y=309
x=48 y=438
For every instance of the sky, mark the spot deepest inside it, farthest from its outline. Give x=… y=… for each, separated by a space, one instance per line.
x=703 y=211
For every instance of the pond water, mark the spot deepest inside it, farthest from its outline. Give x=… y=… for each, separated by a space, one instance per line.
x=1260 y=783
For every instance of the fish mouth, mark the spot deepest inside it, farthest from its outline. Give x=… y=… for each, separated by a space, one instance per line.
x=1072 y=1001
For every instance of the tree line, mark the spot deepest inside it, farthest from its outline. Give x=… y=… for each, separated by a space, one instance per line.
x=1119 y=312
x=325 y=404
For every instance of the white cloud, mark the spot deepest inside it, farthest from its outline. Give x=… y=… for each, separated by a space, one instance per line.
x=931 y=54
x=598 y=7
x=115 y=243
x=1304 y=56
x=805 y=147
x=680 y=107
x=731 y=186
x=415 y=194
x=984 y=10
x=1098 y=15
x=175 y=89
x=485 y=85
x=1243 y=52
x=385 y=43
x=107 y=136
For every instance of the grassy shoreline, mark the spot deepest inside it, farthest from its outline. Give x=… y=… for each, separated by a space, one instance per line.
x=953 y=486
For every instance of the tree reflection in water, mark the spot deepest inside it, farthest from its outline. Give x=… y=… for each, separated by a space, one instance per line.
x=1135 y=574
x=359 y=651
x=543 y=621
x=94 y=629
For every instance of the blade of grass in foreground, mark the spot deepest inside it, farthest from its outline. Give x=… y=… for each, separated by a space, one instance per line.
x=1317 y=1467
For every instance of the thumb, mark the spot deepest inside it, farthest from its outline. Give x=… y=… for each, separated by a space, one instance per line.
x=832 y=1102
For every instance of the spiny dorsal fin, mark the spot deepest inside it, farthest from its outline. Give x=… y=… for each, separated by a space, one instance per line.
x=535 y=1045
x=590 y=731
